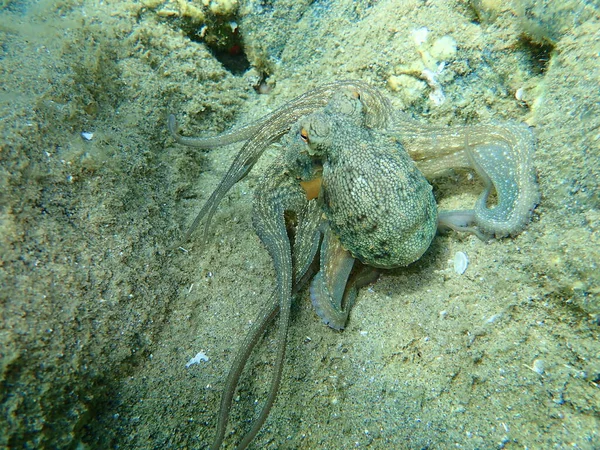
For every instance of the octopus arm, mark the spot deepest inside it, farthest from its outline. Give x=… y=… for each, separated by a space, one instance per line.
x=502 y=156
x=284 y=116
x=262 y=133
x=329 y=285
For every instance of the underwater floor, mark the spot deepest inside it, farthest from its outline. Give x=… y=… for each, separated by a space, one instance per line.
x=101 y=312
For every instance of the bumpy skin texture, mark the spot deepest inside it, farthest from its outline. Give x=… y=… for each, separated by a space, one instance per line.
x=371 y=202
x=377 y=202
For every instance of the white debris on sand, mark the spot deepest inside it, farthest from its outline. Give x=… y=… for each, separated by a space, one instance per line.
x=461 y=262
x=200 y=356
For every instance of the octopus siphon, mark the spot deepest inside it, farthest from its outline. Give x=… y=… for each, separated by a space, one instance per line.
x=351 y=194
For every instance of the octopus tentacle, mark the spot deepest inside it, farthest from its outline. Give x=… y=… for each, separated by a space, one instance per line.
x=266 y=316
x=502 y=156
x=270 y=128
x=329 y=285
x=304 y=250
x=279 y=194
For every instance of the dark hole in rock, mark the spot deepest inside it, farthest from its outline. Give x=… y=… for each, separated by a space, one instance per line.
x=224 y=40
x=538 y=54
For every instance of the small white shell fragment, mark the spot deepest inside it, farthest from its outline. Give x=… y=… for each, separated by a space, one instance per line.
x=539 y=366
x=461 y=261
x=420 y=36
x=437 y=94
x=519 y=94
x=87 y=135
x=200 y=356
x=494 y=318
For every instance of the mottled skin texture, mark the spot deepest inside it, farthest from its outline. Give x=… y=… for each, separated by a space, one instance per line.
x=376 y=201
x=346 y=188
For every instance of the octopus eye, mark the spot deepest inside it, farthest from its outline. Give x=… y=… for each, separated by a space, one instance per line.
x=304 y=135
x=356 y=95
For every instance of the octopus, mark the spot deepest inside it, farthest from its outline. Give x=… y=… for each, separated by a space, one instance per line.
x=350 y=194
